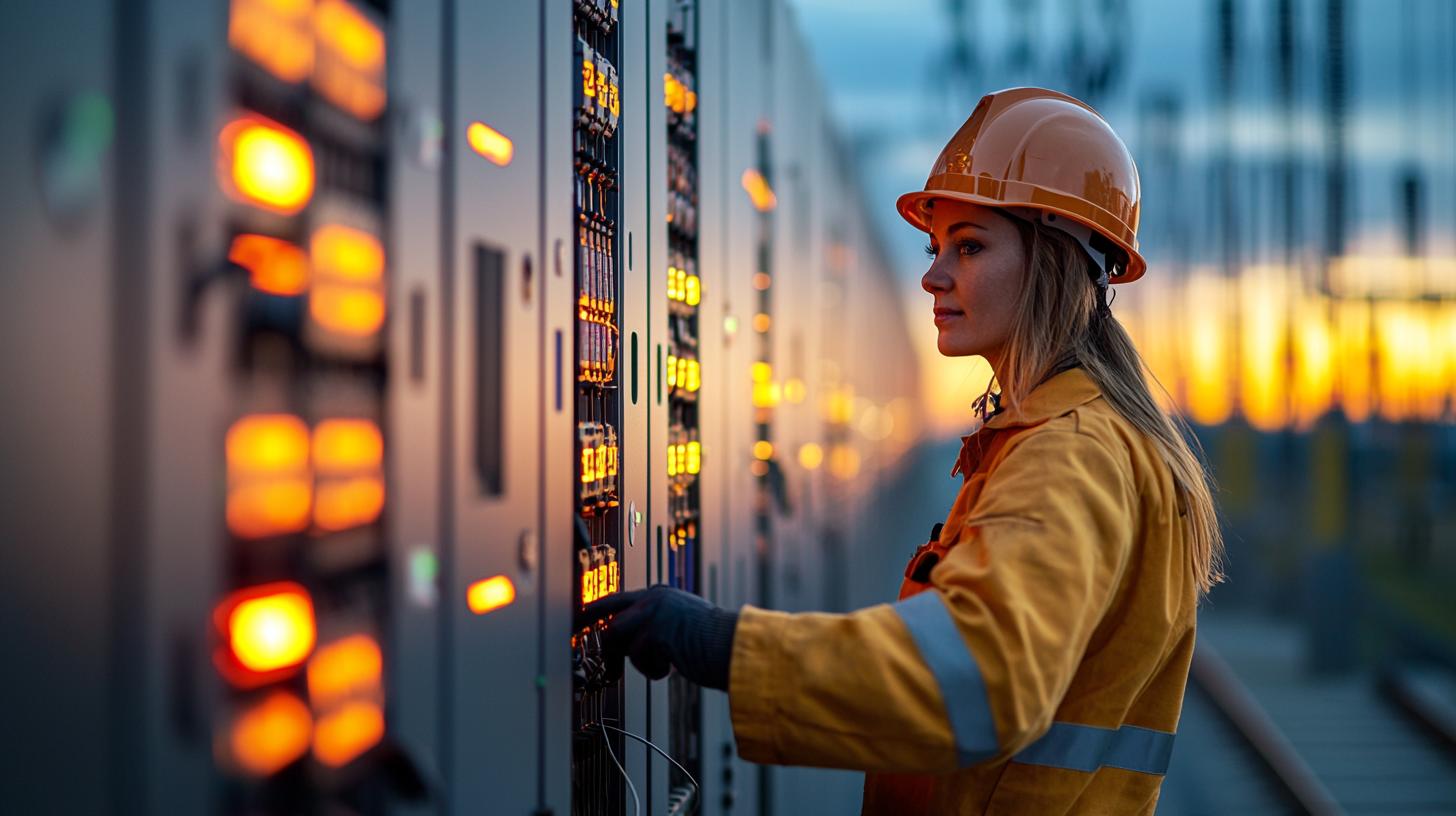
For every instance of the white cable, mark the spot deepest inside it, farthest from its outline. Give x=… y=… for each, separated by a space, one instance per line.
x=636 y=803
x=697 y=790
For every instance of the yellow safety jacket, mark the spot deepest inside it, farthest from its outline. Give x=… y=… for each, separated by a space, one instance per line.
x=1041 y=670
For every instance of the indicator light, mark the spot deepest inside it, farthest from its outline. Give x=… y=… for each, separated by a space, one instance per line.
x=762 y=322
x=274 y=266
x=693 y=293
x=269 y=487
x=350 y=69
x=275 y=34
x=345 y=733
x=348 y=459
x=347 y=667
x=355 y=38
x=811 y=456
x=490 y=594
x=348 y=503
x=267 y=632
x=490 y=143
x=347 y=444
x=763 y=449
x=694 y=457
x=348 y=291
x=759 y=192
x=266 y=165
x=267 y=736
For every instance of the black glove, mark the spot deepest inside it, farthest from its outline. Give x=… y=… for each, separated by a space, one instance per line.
x=661 y=628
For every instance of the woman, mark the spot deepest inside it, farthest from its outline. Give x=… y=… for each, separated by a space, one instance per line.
x=1037 y=658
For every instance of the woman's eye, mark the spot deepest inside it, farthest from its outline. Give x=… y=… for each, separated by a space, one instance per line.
x=929 y=251
x=968 y=247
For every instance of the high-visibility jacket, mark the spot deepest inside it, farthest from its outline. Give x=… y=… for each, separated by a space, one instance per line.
x=1041 y=670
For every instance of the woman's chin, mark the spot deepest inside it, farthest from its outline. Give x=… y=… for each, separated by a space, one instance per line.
x=948 y=347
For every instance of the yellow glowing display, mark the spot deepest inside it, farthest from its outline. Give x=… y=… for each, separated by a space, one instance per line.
x=348 y=731
x=266 y=165
x=599 y=582
x=692 y=290
x=694 y=458
x=274 y=266
x=267 y=735
x=490 y=594
x=275 y=34
x=490 y=143
x=763 y=449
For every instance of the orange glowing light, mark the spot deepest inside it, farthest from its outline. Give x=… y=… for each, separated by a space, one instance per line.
x=343 y=504
x=1209 y=350
x=266 y=165
x=490 y=143
x=273 y=631
x=275 y=34
x=490 y=594
x=269 y=487
x=1263 y=351
x=759 y=192
x=347 y=444
x=274 y=266
x=348 y=292
x=266 y=631
x=268 y=735
x=348 y=254
x=346 y=668
x=351 y=50
x=348 y=457
x=347 y=732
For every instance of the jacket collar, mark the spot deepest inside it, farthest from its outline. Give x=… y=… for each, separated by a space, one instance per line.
x=1058 y=395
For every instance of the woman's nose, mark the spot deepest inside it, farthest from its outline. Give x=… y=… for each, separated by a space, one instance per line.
x=934 y=280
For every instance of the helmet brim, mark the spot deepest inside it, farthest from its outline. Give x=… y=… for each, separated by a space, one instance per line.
x=914 y=208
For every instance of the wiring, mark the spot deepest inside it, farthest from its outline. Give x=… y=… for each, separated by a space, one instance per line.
x=696 y=788
x=636 y=803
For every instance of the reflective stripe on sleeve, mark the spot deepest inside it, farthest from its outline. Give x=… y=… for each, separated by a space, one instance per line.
x=1087 y=748
x=950 y=660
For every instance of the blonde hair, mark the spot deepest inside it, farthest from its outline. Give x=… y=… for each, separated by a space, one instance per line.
x=1058 y=323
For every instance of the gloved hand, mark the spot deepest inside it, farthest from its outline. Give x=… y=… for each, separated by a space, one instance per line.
x=661 y=628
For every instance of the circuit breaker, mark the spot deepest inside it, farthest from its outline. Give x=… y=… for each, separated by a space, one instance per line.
x=298 y=632
x=597 y=749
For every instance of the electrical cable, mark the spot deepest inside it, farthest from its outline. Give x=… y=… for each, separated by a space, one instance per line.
x=696 y=788
x=636 y=803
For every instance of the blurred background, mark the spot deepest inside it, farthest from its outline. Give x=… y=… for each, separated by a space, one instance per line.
x=350 y=346
x=1298 y=161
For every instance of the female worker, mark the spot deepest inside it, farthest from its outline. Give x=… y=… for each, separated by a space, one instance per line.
x=1037 y=658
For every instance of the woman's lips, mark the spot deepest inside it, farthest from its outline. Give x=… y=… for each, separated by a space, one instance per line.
x=943 y=316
